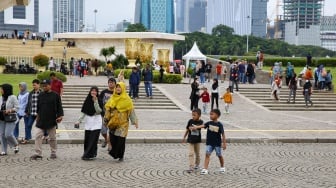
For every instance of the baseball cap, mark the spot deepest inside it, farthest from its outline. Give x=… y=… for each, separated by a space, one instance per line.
x=45 y=82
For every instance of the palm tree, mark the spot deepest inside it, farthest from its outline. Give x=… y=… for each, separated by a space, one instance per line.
x=104 y=52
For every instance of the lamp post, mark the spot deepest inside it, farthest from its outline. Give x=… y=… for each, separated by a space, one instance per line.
x=95 y=26
x=247 y=36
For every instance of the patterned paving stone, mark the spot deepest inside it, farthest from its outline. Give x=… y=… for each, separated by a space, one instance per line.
x=164 y=165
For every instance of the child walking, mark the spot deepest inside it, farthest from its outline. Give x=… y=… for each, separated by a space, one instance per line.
x=205 y=99
x=215 y=140
x=194 y=140
x=227 y=100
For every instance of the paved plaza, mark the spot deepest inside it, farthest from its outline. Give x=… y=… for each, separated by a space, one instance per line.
x=266 y=149
x=164 y=165
x=247 y=120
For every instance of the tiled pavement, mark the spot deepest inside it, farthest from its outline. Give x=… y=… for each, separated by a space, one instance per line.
x=247 y=121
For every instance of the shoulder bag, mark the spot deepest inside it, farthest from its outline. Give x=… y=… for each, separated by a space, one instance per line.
x=11 y=117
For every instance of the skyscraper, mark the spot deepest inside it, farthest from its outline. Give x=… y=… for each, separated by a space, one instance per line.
x=302 y=21
x=156 y=15
x=68 y=15
x=190 y=15
x=246 y=17
x=20 y=17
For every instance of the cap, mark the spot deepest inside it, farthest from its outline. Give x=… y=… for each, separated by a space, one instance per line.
x=45 y=82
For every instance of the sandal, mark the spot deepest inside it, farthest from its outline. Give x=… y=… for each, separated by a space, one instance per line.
x=35 y=157
x=3 y=154
x=25 y=142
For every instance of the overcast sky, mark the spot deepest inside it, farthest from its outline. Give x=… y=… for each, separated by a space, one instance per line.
x=110 y=12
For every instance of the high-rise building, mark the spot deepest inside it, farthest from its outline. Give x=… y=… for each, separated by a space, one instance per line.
x=328 y=32
x=246 y=17
x=190 y=15
x=156 y=15
x=22 y=17
x=68 y=15
x=302 y=21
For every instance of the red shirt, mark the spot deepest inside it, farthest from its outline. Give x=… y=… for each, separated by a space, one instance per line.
x=219 y=69
x=56 y=86
x=205 y=96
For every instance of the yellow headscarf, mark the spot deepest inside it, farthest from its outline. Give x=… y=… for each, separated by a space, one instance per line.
x=122 y=102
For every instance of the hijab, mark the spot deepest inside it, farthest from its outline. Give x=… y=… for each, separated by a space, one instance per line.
x=8 y=91
x=88 y=106
x=215 y=84
x=122 y=102
x=24 y=86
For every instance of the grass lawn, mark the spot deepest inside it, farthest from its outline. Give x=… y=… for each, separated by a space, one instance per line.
x=299 y=69
x=15 y=79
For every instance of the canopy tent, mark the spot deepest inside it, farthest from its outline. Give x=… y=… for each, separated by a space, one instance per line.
x=193 y=54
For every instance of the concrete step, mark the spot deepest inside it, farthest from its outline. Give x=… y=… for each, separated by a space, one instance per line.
x=135 y=106
x=302 y=109
x=323 y=100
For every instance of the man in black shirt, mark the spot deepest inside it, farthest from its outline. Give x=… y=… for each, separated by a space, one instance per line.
x=208 y=69
x=105 y=96
x=49 y=113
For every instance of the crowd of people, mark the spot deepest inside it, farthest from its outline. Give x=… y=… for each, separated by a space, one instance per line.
x=107 y=113
x=321 y=77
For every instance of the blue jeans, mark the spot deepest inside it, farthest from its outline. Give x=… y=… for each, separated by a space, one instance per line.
x=16 y=130
x=202 y=78
x=148 y=88
x=209 y=149
x=28 y=127
x=242 y=78
x=6 y=134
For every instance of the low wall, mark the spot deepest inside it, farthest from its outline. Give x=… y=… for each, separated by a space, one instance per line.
x=262 y=77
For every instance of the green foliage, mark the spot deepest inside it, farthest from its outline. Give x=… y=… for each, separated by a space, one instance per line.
x=106 y=52
x=138 y=27
x=223 y=41
x=222 y=31
x=296 y=61
x=41 y=60
x=3 y=61
x=46 y=76
x=167 y=78
x=120 y=62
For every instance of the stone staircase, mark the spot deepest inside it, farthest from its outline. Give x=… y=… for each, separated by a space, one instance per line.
x=322 y=100
x=13 y=47
x=74 y=96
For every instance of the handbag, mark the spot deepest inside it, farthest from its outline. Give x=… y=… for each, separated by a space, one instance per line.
x=116 y=120
x=11 y=117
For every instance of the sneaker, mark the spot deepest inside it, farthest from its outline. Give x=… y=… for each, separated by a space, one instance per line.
x=16 y=149
x=196 y=167
x=222 y=170
x=204 y=171
x=104 y=143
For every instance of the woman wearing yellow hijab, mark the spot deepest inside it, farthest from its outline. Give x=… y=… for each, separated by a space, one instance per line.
x=123 y=104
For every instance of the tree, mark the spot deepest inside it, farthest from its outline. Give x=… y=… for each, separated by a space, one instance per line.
x=106 y=52
x=222 y=31
x=120 y=62
x=138 y=27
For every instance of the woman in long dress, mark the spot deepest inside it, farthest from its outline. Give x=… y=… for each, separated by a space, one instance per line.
x=122 y=103
x=91 y=113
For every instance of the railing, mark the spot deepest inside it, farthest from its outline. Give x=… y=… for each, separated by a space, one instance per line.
x=29 y=60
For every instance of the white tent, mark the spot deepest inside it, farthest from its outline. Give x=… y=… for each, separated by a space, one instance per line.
x=193 y=54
